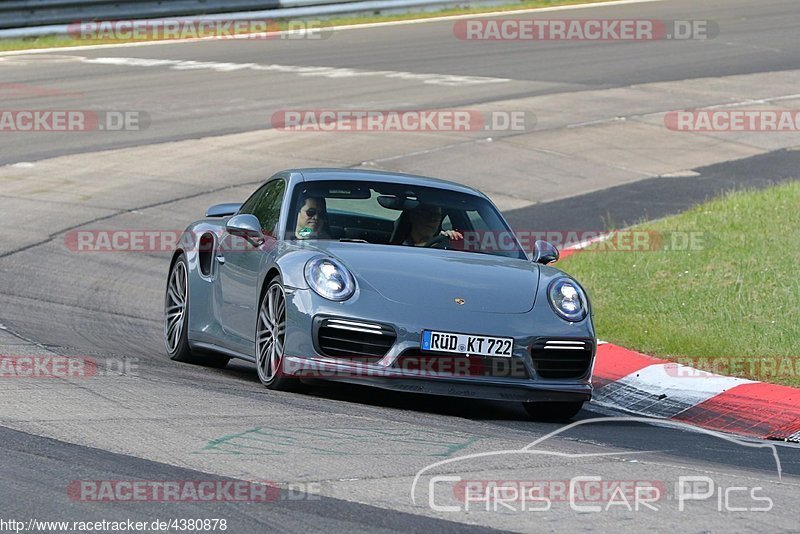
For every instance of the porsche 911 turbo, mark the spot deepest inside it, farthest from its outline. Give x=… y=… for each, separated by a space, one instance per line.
x=390 y=280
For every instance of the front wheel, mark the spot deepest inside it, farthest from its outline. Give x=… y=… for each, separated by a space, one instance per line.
x=271 y=337
x=176 y=319
x=552 y=411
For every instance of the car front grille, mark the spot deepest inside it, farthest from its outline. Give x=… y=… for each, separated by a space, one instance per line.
x=562 y=358
x=458 y=365
x=354 y=340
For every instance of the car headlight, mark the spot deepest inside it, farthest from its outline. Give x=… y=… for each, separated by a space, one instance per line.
x=568 y=299
x=330 y=279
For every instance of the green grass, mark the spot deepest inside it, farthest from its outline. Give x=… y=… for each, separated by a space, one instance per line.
x=735 y=299
x=56 y=41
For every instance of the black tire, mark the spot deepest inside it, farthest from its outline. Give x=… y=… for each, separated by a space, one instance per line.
x=552 y=411
x=176 y=338
x=271 y=337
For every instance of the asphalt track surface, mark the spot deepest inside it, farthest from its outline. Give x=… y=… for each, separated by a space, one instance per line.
x=160 y=423
x=191 y=104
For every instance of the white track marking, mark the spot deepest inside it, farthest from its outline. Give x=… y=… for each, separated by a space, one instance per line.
x=340 y=28
x=583 y=244
x=680 y=382
x=325 y=72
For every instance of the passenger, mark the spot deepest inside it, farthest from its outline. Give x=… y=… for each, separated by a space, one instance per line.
x=312 y=220
x=425 y=223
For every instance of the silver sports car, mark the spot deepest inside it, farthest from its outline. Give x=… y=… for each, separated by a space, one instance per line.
x=390 y=280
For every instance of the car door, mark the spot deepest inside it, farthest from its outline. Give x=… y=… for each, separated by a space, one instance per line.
x=242 y=261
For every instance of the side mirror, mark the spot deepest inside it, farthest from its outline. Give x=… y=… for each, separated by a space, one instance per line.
x=544 y=252
x=222 y=210
x=246 y=226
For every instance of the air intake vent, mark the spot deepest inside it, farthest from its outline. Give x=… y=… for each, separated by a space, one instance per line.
x=354 y=340
x=442 y=364
x=562 y=358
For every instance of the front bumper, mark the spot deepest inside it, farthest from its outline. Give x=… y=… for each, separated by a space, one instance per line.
x=303 y=358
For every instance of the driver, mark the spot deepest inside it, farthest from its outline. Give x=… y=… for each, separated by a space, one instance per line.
x=425 y=221
x=311 y=219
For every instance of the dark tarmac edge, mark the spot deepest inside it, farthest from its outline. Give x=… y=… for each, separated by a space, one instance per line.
x=654 y=198
x=45 y=467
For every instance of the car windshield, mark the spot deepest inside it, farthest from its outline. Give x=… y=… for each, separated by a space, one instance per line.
x=399 y=215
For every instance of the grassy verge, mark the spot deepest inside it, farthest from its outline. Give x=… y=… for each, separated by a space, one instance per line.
x=728 y=303
x=57 y=41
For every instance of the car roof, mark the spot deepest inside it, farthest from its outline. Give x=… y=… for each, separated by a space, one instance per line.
x=358 y=175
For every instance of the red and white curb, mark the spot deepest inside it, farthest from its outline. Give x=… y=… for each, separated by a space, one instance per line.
x=628 y=381
x=632 y=382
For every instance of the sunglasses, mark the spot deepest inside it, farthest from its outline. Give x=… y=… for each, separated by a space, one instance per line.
x=311 y=212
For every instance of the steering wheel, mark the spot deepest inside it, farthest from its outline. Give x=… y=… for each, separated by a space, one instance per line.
x=439 y=241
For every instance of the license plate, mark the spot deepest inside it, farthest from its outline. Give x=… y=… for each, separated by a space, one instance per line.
x=467 y=344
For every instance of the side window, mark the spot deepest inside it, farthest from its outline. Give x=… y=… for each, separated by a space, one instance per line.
x=447 y=224
x=266 y=205
x=477 y=222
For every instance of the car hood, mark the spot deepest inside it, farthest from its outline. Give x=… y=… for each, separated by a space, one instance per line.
x=436 y=278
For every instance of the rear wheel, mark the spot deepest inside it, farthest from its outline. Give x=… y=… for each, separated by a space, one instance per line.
x=176 y=319
x=271 y=337
x=552 y=411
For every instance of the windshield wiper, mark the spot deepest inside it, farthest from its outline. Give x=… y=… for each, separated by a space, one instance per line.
x=352 y=240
